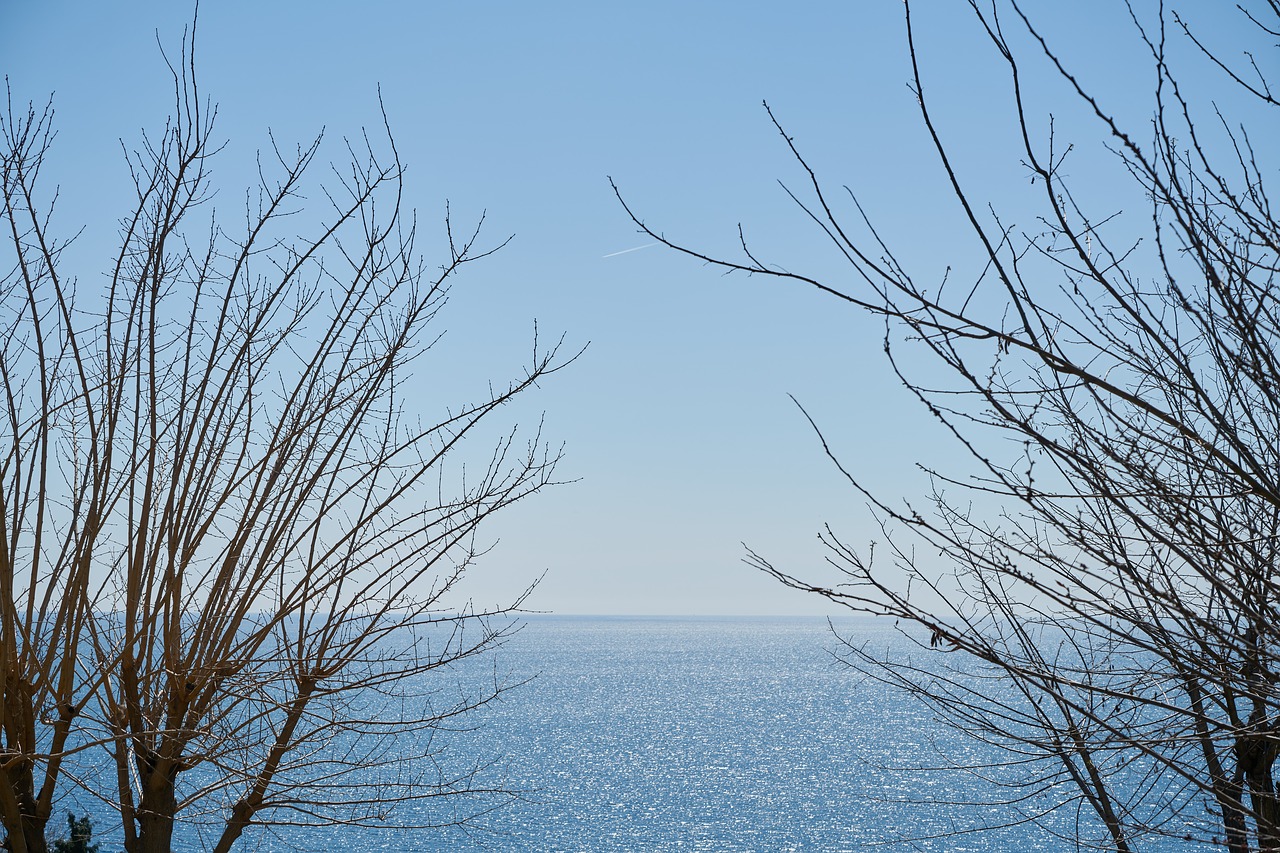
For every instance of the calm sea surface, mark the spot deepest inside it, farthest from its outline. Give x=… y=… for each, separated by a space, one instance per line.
x=710 y=734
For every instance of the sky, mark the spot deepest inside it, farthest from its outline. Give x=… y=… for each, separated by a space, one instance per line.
x=681 y=439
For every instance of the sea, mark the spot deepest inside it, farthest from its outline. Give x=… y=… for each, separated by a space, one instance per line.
x=703 y=734
x=710 y=734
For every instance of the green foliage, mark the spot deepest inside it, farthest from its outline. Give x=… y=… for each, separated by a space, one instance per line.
x=79 y=833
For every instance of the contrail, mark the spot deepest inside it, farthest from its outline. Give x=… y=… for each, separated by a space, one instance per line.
x=625 y=251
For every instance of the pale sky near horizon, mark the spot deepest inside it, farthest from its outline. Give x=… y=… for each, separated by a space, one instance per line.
x=677 y=426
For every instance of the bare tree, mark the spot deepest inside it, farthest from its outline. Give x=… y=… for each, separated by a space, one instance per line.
x=233 y=533
x=1114 y=627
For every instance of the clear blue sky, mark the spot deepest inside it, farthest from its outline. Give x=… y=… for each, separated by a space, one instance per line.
x=676 y=422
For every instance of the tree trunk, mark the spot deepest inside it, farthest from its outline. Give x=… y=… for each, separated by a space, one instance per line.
x=155 y=815
x=27 y=832
x=1256 y=754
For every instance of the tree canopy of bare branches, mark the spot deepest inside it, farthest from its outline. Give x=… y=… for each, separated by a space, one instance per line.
x=232 y=530
x=1123 y=591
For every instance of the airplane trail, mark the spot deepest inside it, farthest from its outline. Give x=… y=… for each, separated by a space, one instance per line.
x=625 y=251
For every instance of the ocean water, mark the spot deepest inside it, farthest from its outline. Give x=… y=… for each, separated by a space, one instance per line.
x=698 y=734
x=715 y=734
